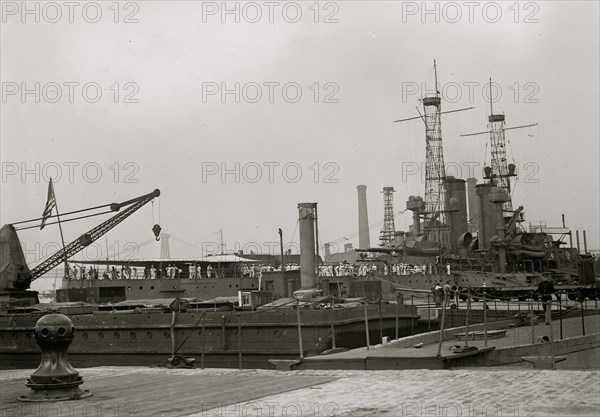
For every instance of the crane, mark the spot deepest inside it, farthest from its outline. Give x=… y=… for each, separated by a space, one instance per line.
x=14 y=278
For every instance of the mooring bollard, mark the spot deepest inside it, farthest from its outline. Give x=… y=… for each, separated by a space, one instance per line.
x=55 y=379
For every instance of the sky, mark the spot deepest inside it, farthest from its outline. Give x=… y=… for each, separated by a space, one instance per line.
x=238 y=111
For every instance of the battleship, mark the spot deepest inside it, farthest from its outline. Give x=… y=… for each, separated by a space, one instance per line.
x=292 y=316
x=468 y=235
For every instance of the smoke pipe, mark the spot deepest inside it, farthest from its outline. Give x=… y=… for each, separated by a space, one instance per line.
x=306 y=220
x=364 y=240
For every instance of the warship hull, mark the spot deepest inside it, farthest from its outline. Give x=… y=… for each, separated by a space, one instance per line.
x=135 y=337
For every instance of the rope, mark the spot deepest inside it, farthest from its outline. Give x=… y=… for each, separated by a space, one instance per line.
x=371 y=227
x=63 y=214
x=294 y=233
x=186 y=243
x=64 y=221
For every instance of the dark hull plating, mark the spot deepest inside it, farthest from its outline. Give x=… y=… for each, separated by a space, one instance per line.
x=145 y=338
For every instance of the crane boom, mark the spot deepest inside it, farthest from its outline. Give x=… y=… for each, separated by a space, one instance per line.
x=89 y=237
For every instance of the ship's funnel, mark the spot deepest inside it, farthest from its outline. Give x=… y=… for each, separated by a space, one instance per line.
x=472 y=203
x=457 y=199
x=363 y=218
x=486 y=219
x=306 y=219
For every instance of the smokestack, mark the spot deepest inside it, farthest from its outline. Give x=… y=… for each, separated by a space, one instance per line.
x=472 y=202
x=363 y=218
x=306 y=218
x=486 y=220
x=457 y=200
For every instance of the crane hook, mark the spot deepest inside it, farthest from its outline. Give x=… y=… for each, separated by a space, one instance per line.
x=156 y=229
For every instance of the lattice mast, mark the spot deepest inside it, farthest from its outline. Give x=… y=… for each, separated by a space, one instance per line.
x=435 y=172
x=388 y=231
x=500 y=173
x=435 y=225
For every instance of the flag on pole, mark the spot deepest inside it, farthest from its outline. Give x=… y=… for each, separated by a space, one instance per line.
x=50 y=204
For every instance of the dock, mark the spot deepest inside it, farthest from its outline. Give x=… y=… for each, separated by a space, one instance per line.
x=509 y=341
x=154 y=392
x=146 y=391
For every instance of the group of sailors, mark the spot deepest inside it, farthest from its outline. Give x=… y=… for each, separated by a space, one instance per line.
x=128 y=272
x=194 y=272
x=341 y=270
x=452 y=291
x=255 y=271
x=424 y=269
x=173 y=271
x=81 y=272
x=368 y=268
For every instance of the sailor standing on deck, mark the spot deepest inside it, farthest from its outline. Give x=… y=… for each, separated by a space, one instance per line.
x=259 y=275
x=546 y=289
